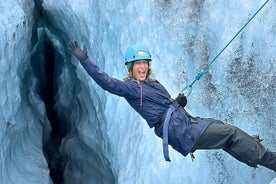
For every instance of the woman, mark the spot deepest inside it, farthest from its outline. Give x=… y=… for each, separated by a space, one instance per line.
x=170 y=120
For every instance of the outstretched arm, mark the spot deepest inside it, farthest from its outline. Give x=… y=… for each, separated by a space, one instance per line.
x=108 y=83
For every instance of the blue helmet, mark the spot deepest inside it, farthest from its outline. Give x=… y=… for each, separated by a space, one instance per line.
x=137 y=52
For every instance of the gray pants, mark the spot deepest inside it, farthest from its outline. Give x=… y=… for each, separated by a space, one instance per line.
x=237 y=143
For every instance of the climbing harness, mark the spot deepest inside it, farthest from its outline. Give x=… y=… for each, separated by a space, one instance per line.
x=166 y=133
x=188 y=89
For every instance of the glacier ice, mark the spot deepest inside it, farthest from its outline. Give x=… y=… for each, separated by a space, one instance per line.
x=273 y=181
x=104 y=140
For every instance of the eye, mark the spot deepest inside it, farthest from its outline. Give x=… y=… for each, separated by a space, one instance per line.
x=145 y=62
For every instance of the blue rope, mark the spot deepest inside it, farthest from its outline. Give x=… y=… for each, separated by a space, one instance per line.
x=188 y=88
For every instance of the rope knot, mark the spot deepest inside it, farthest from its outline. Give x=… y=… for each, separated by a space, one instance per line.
x=200 y=74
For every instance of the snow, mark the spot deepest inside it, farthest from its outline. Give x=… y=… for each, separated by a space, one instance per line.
x=106 y=141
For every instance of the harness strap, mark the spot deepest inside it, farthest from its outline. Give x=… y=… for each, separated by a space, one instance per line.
x=166 y=132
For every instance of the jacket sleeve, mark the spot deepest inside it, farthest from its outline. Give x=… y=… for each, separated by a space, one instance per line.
x=106 y=82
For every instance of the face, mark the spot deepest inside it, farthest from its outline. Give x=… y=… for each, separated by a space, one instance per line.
x=140 y=69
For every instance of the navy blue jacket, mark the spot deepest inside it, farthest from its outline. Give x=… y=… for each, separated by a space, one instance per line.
x=151 y=100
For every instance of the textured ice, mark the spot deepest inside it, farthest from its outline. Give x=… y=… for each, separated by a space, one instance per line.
x=106 y=141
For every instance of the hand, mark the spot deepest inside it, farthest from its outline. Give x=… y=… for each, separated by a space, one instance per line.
x=81 y=55
x=181 y=100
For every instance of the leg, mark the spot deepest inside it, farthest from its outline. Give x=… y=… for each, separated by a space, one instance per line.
x=237 y=143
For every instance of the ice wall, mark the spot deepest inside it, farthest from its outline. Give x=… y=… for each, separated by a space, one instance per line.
x=106 y=141
x=23 y=123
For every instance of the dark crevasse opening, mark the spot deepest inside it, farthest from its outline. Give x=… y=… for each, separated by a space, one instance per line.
x=58 y=132
x=43 y=63
x=47 y=93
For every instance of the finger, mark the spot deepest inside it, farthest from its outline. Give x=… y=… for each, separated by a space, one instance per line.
x=76 y=45
x=85 y=49
x=71 y=45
